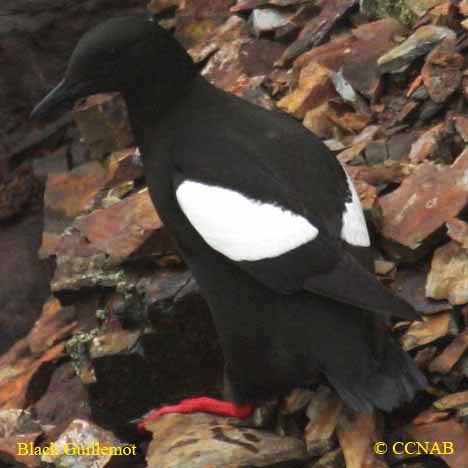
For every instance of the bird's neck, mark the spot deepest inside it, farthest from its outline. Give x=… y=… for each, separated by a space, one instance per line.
x=149 y=104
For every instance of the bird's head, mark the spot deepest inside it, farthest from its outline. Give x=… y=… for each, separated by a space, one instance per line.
x=121 y=54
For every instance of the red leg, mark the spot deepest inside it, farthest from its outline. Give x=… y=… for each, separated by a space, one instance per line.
x=195 y=405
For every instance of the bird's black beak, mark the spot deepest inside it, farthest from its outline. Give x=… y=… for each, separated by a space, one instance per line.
x=63 y=94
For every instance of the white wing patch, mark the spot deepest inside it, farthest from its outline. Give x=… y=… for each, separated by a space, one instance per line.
x=239 y=227
x=354 y=230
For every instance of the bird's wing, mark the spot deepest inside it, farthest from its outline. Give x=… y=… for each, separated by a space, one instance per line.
x=283 y=209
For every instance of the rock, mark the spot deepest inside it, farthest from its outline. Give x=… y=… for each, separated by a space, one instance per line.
x=85 y=445
x=350 y=122
x=317 y=121
x=121 y=229
x=447 y=359
x=419 y=43
x=442 y=71
x=17 y=426
x=196 y=20
x=445 y=14
x=448 y=278
x=383 y=267
x=382 y=8
x=16 y=192
x=427 y=145
x=445 y=431
x=458 y=231
x=452 y=401
x=314 y=88
x=332 y=459
x=159 y=6
x=323 y=413
x=239 y=64
x=201 y=440
x=433 y=328
x=268 y=19
x=317 y=28
x=357 y=434
x=465 y=84
x=415 y=213
x=461 y=124
x=430 y=416
x=43 y=345
x=410 y=285
x=64 y=399
x=463 y=7
x=421 y=7
x=68 y=195
x=297 y=400
x=103 y=123
x=357 y=54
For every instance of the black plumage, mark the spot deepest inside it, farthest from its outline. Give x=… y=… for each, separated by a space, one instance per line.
x=279 y=317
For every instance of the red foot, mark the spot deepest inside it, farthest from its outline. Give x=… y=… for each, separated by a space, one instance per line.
x=195 y=405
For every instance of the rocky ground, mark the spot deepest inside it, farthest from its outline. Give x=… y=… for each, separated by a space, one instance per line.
x=101 y=321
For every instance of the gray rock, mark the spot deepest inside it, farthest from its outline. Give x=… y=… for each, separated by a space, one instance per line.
x=419 y=43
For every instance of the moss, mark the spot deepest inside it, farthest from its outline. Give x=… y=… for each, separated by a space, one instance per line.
x=397 y=9
x=77 y=347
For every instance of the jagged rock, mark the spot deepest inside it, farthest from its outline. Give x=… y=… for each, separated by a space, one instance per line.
x=16 y=427
x=323 y=413
x=158 y=6
x=461 y=124
x=442 y=71
x=421 y=7
x=197 y=19
x=317 y=121
x=357 y=434
x=383 y=267
x=16 y=192
x=297 y=400
x=121 y=229
x=433 y=328
x=452 y=401
x=314 y=88
x=382 y=8
x=357 y=54
x=44 y=344
x=458 y=231
x=68 y=195
x=447 y=359
x=332 y=459
x=415 y=212
x=448 y=278
x=427 y=145
x=268 y=19
x=317 y=28
x=410 y=284
x=419 y=43
x=201 y=440
x=242 y=5
x=463 y=7
x=239 y=63
x=103 y=123
x=85 y=445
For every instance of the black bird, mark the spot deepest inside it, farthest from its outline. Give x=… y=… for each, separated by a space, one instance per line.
x=265 y=217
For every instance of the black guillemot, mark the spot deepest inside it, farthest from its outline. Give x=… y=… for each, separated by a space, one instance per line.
x=266 y=218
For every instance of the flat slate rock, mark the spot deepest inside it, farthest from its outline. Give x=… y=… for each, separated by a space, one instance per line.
x=200 y=440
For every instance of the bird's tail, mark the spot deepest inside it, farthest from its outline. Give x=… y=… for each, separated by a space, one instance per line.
x=385 y=380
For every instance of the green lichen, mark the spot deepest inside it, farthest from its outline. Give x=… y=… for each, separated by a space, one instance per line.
x=397 y=9
x=77 y=348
